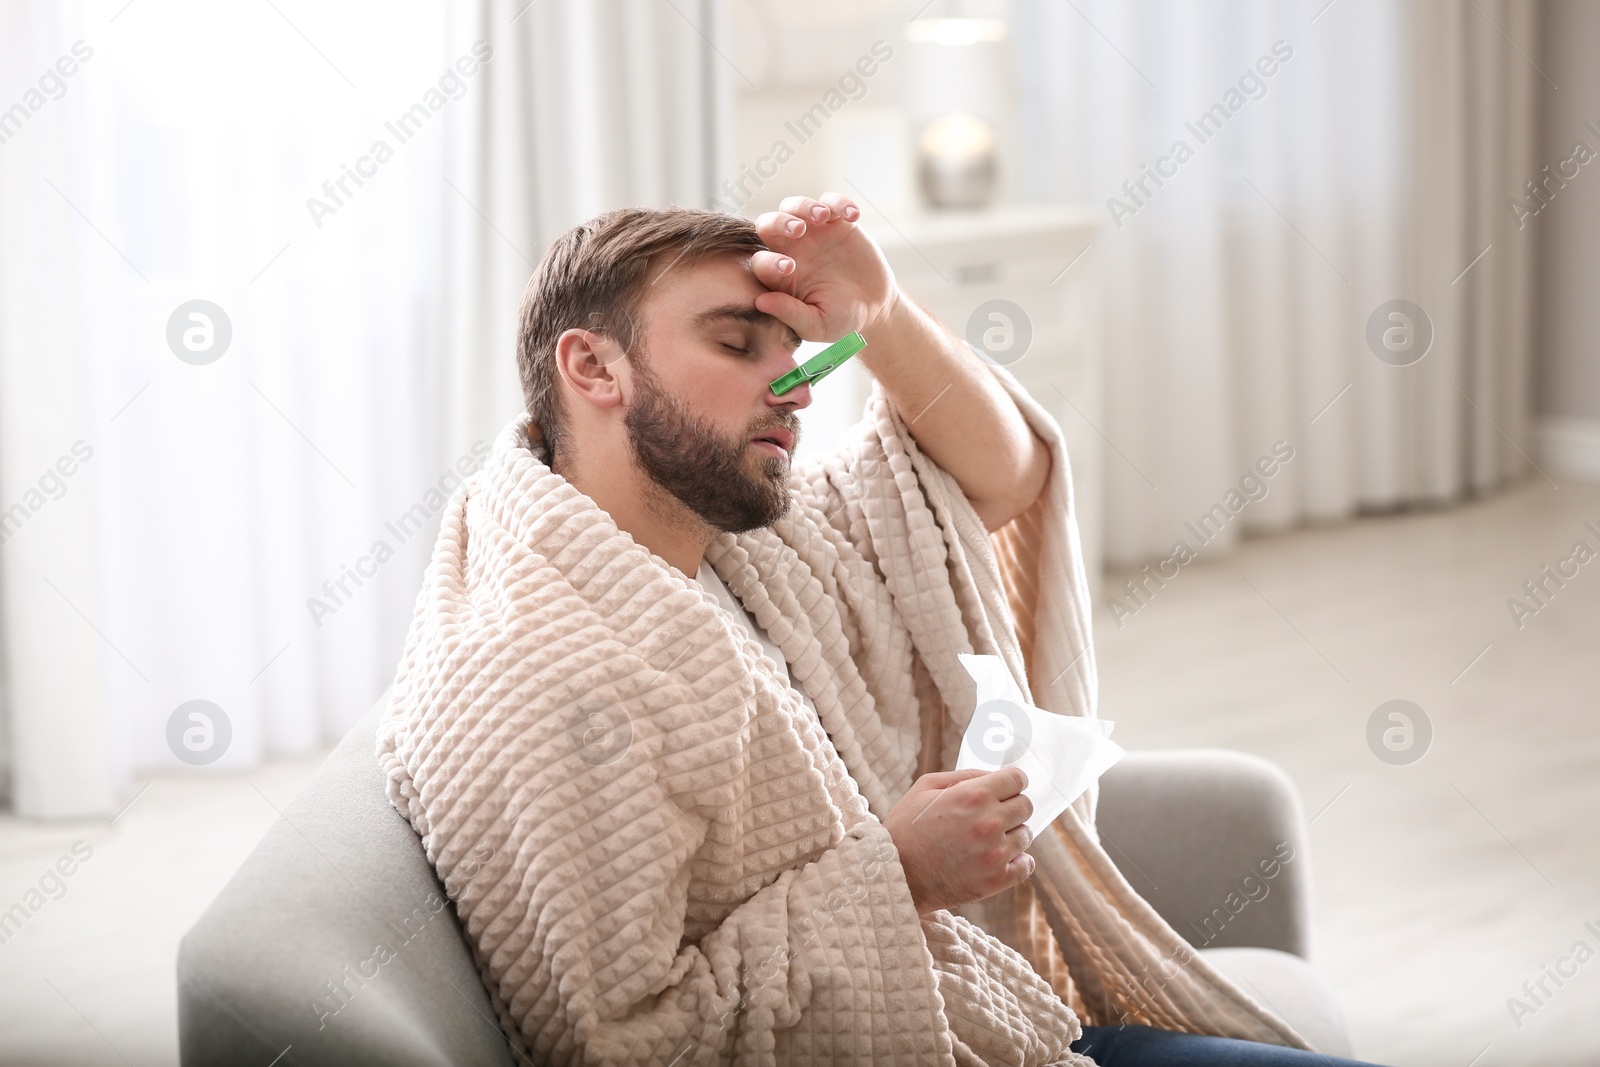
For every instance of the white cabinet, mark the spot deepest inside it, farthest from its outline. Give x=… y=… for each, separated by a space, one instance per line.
x=1039 y=260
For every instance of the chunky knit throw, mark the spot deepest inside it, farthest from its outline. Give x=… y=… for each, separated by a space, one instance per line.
x=660 y=854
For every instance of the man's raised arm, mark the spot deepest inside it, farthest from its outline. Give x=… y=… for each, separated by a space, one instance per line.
x=829 y=278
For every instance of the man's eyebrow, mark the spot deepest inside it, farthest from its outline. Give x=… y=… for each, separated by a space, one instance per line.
x=748 y=314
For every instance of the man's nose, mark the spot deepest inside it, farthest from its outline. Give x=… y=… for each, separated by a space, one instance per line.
x=799 y=395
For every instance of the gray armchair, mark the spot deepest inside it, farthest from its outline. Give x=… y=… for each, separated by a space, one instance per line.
x=334 y=942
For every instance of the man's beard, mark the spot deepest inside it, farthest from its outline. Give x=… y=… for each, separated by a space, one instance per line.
x=707 y=474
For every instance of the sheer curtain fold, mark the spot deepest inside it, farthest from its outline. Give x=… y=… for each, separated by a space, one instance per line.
x=1372 y=163
x=52 y=739
x=601 y=104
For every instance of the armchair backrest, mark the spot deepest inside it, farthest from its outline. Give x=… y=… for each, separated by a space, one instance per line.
x=334 y=943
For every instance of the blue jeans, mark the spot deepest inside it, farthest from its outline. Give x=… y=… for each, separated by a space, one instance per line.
x=1144 y=1046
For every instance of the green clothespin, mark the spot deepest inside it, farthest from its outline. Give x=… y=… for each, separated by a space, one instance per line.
x=822 y=364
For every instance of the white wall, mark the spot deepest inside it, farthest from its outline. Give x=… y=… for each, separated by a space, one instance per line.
x=1568 y=368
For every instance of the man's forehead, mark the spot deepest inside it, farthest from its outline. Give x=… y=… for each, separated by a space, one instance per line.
x=714 y=290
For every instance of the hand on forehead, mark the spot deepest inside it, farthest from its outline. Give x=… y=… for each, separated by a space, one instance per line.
x=825 y=275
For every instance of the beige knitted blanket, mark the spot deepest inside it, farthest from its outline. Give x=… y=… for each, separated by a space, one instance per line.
x=685 y=865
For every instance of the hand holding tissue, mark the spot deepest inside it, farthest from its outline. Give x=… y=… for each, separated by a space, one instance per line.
x=1062 y=755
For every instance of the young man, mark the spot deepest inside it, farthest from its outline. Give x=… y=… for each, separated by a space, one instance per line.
x=674 y=715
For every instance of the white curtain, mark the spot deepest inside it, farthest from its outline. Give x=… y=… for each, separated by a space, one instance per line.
x=55 y=758
x=1367 y=158
x=593 y=105
x=251 y=532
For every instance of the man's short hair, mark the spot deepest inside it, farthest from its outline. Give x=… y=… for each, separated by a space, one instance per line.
x=595 y=276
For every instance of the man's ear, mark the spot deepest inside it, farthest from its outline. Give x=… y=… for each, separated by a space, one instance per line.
x=588 y=360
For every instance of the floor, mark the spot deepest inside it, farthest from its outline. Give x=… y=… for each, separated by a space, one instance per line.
x=91 y=979
x=1443 y=884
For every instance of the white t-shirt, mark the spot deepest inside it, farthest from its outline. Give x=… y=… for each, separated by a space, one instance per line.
x=714 y=584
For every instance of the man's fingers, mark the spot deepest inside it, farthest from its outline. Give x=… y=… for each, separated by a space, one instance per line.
x=793 y=312
x=772 y=269
x=842 y=206
x=1006 y=782
x=946 y=779
x=1021 y=867
x=1003 y=784
x=807 y=208
x=1016 y=811
x=934 y=784
x=778 y=228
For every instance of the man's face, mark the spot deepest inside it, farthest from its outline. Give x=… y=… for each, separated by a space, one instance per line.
x=702 y=395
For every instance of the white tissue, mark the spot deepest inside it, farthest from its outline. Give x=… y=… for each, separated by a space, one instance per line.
x=1062 y=755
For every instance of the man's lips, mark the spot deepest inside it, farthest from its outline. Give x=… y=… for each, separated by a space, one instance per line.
x=784 y=439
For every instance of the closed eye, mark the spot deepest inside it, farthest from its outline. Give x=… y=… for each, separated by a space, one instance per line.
x=736 y=348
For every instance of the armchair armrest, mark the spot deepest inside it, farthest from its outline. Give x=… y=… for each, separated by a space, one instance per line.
x=1216 y=842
